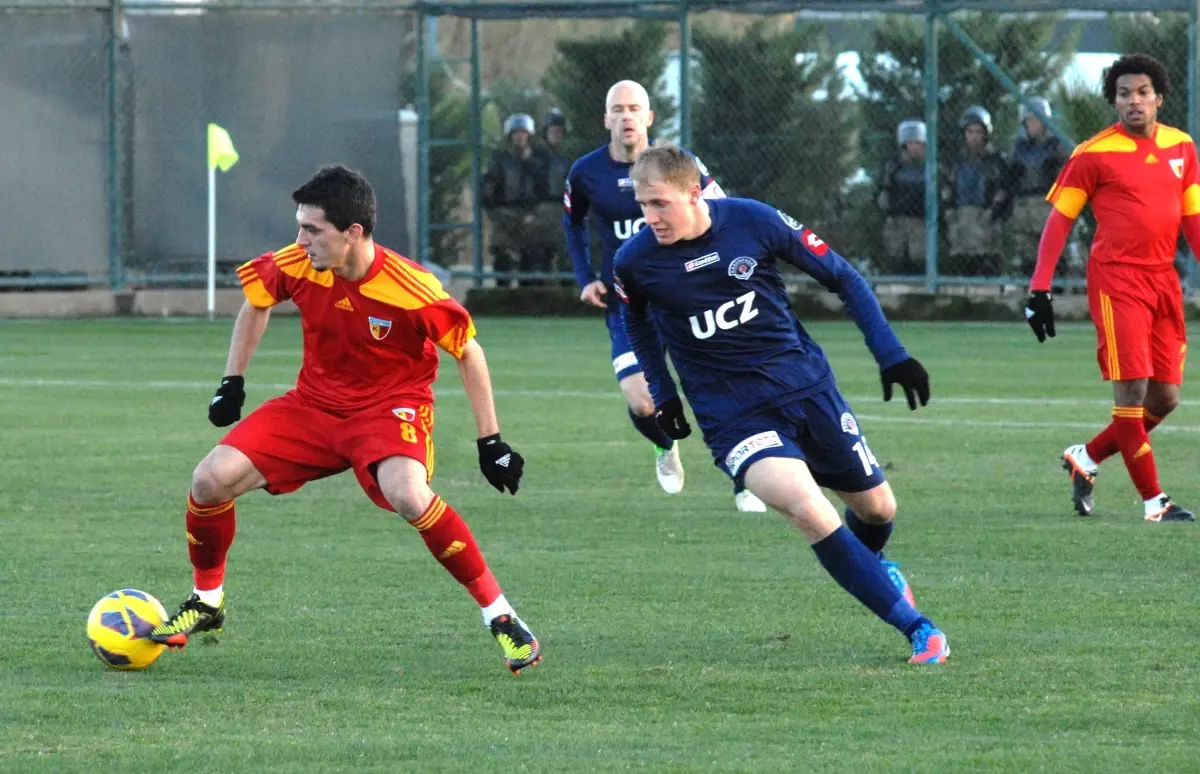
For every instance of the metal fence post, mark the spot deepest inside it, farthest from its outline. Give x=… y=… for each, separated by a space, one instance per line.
x=116 y=203
x=476 y=161
x=931 y=144
x=685 y=76
x=1193 y=83
x=424 y=189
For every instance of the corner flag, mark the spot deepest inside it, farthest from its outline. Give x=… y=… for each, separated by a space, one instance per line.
x=220 y=149
x=220 y=154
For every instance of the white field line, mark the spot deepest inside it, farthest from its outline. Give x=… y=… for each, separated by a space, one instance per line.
x=607 y=395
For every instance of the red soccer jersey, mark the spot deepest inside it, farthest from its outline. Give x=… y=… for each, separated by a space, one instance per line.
x=365 y=342
x=1140 y=188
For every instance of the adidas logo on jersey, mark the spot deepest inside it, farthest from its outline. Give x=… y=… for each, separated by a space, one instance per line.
x=1151 y=159
x=345 y=304
x=503 y=461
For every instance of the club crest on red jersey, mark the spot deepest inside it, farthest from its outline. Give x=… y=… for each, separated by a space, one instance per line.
x=1177 y=167
x=379 y=328
x=405 y=413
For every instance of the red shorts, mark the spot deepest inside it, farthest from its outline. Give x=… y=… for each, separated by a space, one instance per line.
x=1138 y=314
x=292 y=443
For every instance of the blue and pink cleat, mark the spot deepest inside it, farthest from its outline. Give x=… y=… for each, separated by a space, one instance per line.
x=929 y=645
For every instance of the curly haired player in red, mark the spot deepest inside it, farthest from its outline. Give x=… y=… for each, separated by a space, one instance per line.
x=373 y=322
x=1141 y=179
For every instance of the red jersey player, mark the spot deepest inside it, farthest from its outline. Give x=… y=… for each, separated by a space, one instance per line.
x=372 y=323
x=1141 y=179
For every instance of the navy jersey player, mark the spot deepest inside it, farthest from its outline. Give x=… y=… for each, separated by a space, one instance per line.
x=761 y=389
x=599 y=187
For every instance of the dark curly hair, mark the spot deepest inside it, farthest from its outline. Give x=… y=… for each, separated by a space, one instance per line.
x=1135 y=64
x=345 y=196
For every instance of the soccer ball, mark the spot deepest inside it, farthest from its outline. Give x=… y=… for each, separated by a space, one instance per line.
x=118 y=625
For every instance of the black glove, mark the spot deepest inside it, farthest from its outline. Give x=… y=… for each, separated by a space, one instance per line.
x=501 y=466
x=226 y=406
x=911 y=376
x=1039 y=313
x=670 y=419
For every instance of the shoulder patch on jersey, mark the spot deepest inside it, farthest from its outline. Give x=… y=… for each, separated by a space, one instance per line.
x=625 y=182
x=742 y=267
x=814 y=243
x=1169 y=137
x=792 y=223
x=700 y=165
x=849 y=424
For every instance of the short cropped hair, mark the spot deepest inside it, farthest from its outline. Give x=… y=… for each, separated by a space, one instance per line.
x=668 y=163
x=345 y=196
x=1136 y=64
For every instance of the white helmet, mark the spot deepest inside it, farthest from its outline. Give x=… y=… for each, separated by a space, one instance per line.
x=911 y=130
x=1041 y=103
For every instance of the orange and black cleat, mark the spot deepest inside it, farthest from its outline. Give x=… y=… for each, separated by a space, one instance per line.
x=192 y=617
x=520 y=646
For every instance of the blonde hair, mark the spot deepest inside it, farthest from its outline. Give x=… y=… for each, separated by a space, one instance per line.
x=668 y=163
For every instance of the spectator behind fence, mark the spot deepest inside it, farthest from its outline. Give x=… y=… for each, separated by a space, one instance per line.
x=975 y=194
x=1037 y=158
x=511 y=195
x=902 y=199
x=546 y=245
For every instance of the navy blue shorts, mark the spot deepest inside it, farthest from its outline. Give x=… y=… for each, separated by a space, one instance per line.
x=625 y=363
x=819 y=429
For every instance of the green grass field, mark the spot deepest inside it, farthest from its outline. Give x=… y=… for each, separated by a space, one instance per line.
x=678 y=634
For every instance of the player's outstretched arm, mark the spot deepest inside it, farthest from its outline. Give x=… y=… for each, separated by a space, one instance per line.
x=805 y=250
x=226 y=406
x=500 y=465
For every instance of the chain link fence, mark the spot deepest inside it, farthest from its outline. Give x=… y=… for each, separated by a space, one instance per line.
x=828 y=112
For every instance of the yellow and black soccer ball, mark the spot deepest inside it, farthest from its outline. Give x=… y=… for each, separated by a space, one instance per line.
x=118 y=626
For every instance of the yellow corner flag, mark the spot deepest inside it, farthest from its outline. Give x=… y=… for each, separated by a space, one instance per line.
x=220 y=149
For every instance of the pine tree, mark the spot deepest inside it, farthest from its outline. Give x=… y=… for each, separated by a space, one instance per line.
x=772 y=128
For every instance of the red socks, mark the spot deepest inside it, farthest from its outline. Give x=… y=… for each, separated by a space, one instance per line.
x=1134 y=442
x=210 y=530
x=1104 y=445
x=450 y=541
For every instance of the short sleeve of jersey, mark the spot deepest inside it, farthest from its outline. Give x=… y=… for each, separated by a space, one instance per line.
x=448 y=324
x=1191 y=181
x=1075 y=184
x=263 y=283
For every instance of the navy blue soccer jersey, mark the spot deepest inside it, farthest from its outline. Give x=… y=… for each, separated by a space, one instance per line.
x=724 y=315
x=600 y=186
